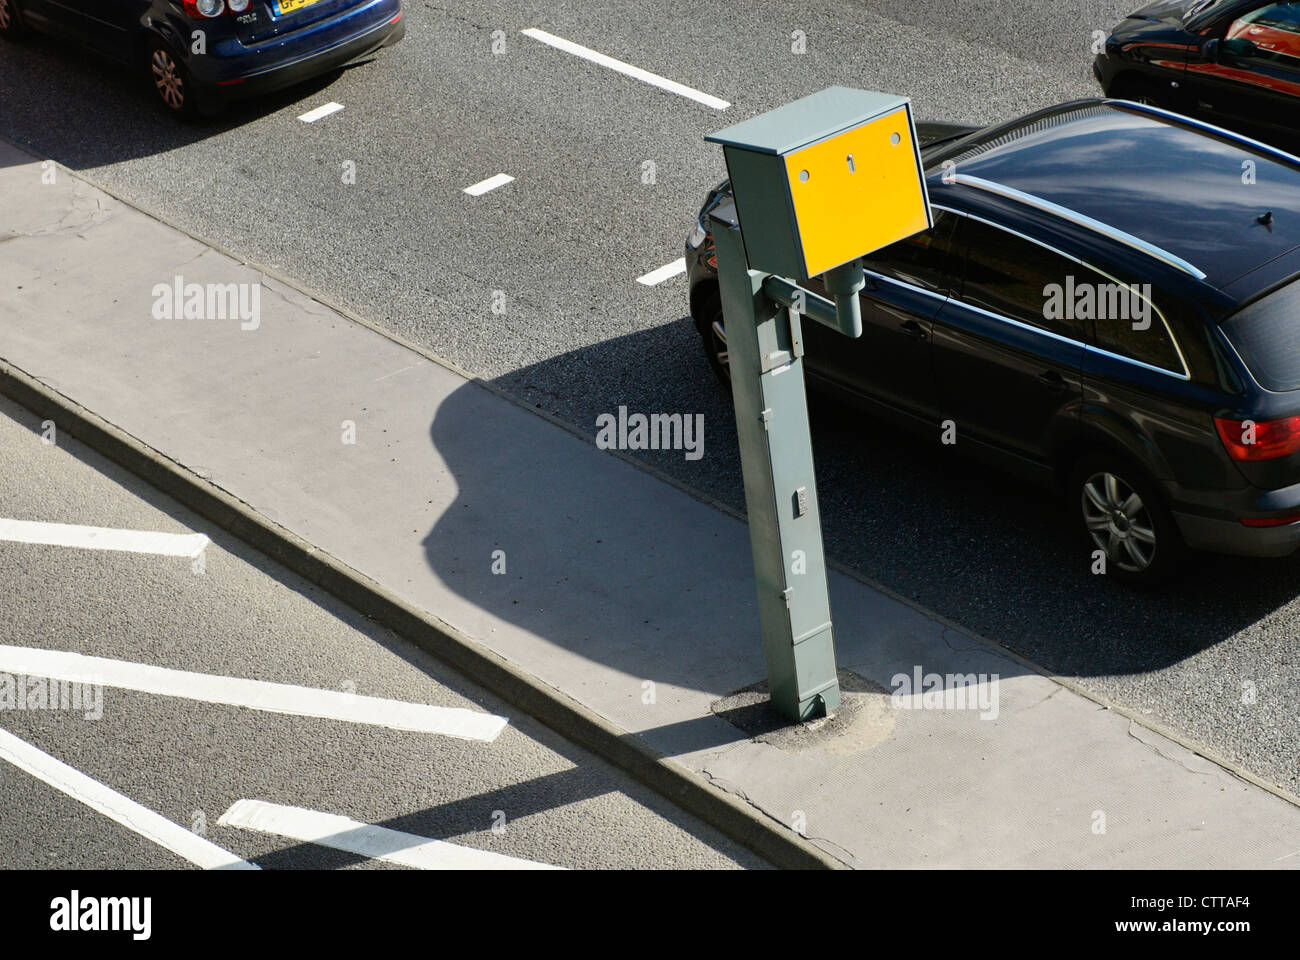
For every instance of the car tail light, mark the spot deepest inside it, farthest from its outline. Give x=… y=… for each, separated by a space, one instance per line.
x=1250 y=440
x=237 y=6
x=205 y=9
x=1271 y=521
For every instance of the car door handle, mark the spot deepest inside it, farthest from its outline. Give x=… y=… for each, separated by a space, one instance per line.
x=913 y=329
x=1053 y=380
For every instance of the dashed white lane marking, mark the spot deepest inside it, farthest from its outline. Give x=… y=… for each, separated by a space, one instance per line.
x=377 y=843
x=117 y=807
x=103 y=538
x=663 y=273
x=311 y=116
x=645 y=76
x=491 y=183
x=253 y=694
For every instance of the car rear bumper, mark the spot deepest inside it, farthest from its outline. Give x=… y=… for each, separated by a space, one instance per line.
x=1234 y=537
x=249 y=71
x=1212 y=520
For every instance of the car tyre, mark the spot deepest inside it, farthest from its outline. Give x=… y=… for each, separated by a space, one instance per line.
x=1123 y=513
x=11 y=20
x=714 y=336
x=171 y=81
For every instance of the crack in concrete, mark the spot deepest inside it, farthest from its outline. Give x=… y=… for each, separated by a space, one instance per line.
x=79 y=219
x=1039 y=703
x=978 y=647
x=844 y=855
x=196 y=257
x=1209 y=766
x=309 y=304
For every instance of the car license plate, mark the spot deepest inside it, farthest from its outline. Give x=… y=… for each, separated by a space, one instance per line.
x=289 y=6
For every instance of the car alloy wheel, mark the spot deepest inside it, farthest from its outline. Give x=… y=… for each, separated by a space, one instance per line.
x=1119 y=522
x=718 y=348
x=713 y=337
x=168 y=79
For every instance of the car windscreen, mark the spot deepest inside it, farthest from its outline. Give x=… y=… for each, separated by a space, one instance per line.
x=1267 y=335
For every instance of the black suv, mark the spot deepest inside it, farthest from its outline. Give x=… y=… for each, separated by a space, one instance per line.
x=1234 y=62
x=1103 y=304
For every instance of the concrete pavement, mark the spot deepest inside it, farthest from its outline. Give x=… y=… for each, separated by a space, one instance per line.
x=620 y=592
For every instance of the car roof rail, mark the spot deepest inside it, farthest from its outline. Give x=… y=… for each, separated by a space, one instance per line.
x=1240 y=138
x=1082 y=220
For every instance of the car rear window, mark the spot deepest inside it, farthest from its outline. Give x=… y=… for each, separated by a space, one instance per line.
x=1267 y=335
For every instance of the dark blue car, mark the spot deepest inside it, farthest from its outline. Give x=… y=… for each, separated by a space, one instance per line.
x=201 y=54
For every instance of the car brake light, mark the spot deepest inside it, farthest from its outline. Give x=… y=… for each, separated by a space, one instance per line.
x=1250 y=440
x=204 y=9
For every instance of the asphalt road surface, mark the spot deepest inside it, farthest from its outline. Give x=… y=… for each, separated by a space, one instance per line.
x=1213 y=656
x=528 y=794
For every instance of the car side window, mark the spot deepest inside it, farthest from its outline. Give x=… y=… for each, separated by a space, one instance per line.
x=1020 y=279
x=1274 y=30
x=1128 y=323
x=924 y=260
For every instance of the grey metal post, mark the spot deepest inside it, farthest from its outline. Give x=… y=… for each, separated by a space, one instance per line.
x=765 y=357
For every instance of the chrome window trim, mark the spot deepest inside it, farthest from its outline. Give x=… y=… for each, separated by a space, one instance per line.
x=1024 y=326
x=1185 y=375
x=1065 y=213
x=909 y=286
x=1089 y=348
